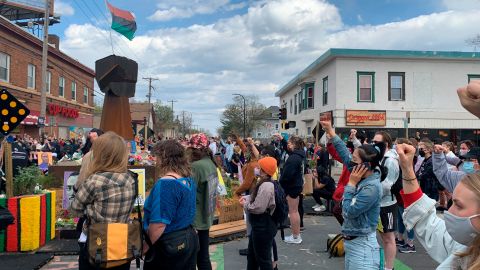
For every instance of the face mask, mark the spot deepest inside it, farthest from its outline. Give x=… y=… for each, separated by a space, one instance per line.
x=394 y=147
x=463 y=152
x=468 y=167
x=460 y=228
x=256 y=171
x=421 y=153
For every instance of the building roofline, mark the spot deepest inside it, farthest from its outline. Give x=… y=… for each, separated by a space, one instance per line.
x=36 y=41
x=379 y=54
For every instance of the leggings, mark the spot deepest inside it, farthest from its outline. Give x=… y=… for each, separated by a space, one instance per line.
x=300 y=209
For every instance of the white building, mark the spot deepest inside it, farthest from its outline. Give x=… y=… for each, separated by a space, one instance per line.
x=269 y=125
x=397 y=91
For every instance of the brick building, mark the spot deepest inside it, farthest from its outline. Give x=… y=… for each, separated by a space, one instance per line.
x=69 y=84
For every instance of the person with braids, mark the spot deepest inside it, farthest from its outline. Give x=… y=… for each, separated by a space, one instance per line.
x=361 y=202
x=170 y=210
x=260 y=206
x=453 y=242
x=204 y=172
x=291 y=181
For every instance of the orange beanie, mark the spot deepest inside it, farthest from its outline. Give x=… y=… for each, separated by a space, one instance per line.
x=268 y=165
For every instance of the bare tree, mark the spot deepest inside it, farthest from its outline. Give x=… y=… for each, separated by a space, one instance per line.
x=474 y=42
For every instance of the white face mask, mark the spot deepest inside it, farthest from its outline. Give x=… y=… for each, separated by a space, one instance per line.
x=461 y=228
x=463 y=152
x=256 y=171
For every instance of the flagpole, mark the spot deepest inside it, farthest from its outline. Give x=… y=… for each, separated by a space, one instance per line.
x=111 y=40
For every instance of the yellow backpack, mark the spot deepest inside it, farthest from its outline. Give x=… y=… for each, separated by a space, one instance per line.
x=335 y=246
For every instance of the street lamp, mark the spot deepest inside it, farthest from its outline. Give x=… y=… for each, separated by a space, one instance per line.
x=244 y=115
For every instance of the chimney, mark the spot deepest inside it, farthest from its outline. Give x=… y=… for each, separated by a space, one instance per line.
x=54 y=40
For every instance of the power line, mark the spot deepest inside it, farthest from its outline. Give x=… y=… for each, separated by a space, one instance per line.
x=150 y=79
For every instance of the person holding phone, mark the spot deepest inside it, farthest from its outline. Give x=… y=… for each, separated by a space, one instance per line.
x=361 y=202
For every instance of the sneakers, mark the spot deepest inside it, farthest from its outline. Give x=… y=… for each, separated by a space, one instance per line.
x=293 y=240
x=316 y=206
x=407 y=249
x=399 y=243
x=320 y=208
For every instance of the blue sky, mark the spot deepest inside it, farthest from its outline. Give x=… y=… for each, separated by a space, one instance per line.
x=204 y=50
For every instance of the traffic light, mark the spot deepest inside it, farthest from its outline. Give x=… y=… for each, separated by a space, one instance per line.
x=12 y=113
x=282 y=115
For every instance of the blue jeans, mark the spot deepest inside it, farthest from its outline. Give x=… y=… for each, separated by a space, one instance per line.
x=362 y=253
x=401 y=226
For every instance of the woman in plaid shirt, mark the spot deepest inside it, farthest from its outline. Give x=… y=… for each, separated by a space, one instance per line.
x=108 y=193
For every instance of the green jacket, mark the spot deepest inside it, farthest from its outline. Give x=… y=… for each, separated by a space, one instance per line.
x=205 y=176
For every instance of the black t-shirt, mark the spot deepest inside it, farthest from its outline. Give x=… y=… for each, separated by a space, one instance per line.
x=328 y=182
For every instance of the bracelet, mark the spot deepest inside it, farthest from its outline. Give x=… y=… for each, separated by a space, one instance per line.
x=409 y=180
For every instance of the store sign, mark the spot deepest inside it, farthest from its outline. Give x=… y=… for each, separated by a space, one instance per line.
x=54 y=109
x=327 y=116
x=366 y=118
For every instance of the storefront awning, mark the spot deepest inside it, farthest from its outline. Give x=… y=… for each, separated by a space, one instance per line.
x=32 y=119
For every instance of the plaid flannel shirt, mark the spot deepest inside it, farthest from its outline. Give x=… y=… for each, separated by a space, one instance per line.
x=105 y=197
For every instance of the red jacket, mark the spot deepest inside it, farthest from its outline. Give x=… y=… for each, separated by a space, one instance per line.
x=344 y=177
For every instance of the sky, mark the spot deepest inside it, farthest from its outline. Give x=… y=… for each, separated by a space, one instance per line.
x=203 y=51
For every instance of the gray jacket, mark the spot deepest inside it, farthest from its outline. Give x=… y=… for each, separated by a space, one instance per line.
x=448 y=179
x=431 y=232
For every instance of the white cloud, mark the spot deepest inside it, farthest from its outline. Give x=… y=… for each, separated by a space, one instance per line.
x=63 y=8
x=461 y=4
x=169 y=10
x=201 y=66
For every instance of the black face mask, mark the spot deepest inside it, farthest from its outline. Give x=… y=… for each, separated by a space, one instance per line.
x=421 y=152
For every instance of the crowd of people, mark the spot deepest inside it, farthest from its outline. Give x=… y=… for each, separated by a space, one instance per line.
x=388 y=194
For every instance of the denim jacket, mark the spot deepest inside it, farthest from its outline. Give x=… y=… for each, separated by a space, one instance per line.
x=431 y=232
x=361 y=204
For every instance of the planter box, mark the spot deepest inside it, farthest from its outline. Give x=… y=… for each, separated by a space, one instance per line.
x=230 y=211
x=34 y=222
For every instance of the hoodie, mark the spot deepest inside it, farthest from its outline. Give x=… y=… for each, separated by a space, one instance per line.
x=291 y=179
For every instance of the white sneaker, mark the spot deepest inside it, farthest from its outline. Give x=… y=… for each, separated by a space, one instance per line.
x=321 y=208
x=292 y=240
x=315 y=206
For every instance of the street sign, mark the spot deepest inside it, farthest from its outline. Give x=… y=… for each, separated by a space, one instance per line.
x=12 y=112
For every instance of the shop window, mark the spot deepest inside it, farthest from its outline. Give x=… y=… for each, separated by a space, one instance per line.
x=61 y=86
x=474 y=77
x=276 y=126
x=396 y=86
x=74 y=91
x=365 y=86
x=49 y=81
x=325 y=91
x=4 y=67
x=31 y=76
x=291 y=106
x=309 y=130
x=85 y=95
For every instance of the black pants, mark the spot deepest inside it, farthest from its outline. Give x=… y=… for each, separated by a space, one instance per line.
x=274 y=250
x=203 y=256
x=260 y=242
x=300 y=209
x=185 y=261
x=321 y=193
x=84 y=263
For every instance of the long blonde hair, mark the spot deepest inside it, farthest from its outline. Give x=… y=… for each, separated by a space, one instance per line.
x=109 y=154
x=472 y=182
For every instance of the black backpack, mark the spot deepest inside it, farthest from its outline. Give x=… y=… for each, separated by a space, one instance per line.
x=281 y=206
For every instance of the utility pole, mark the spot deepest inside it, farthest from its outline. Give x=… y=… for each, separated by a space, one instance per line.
x=173 y=117
x=183 y=123
x=43 y=96
x=150 y=79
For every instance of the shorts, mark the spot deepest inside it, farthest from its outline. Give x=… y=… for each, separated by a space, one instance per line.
x=388 y=217
x=294 y=192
